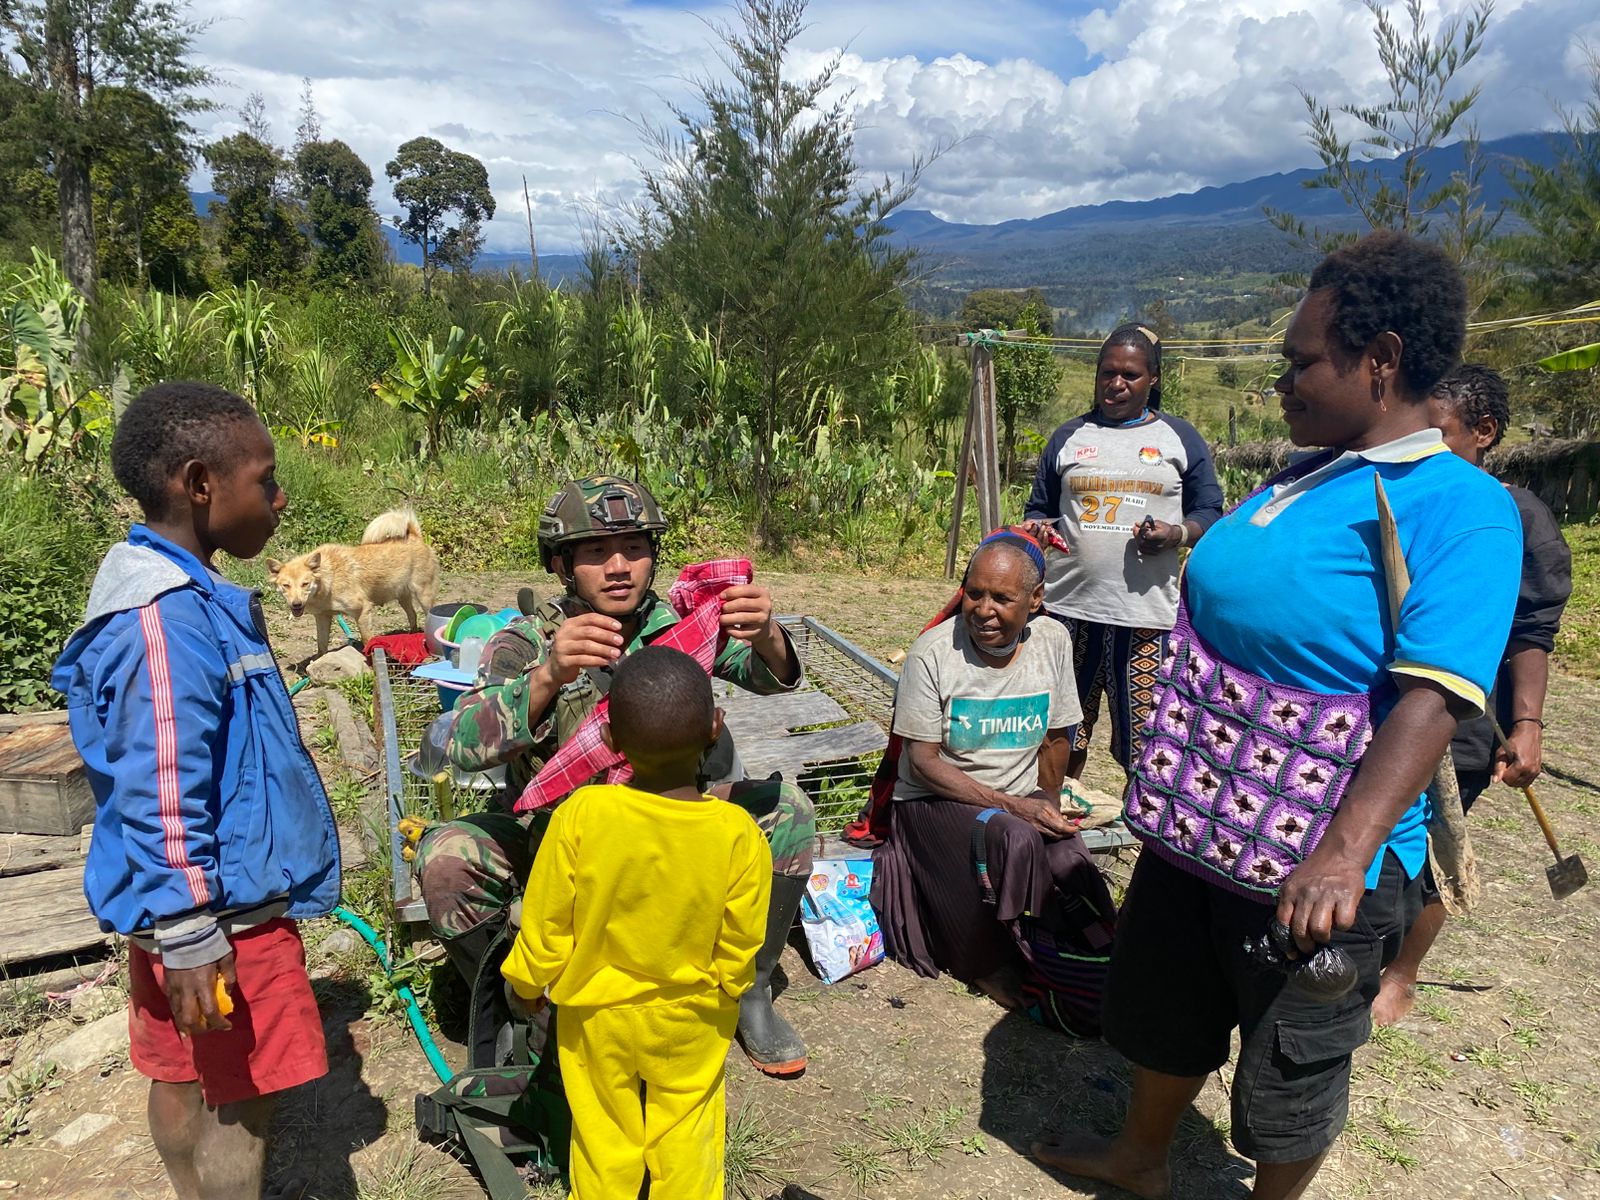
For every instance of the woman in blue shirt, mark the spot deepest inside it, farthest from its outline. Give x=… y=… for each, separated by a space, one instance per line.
x=1295 y=664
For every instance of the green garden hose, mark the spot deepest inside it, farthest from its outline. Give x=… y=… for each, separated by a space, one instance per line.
x=419 y=1026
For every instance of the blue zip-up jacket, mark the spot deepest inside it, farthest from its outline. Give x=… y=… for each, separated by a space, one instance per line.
x=209 y=813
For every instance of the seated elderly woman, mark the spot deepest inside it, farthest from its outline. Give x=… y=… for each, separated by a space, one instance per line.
x=982 y=876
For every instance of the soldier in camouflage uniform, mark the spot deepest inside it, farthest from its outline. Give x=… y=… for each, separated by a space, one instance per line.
x=543 y=674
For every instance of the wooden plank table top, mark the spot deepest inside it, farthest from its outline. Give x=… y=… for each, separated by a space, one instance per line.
x=43 y=914
x=25 y=853
x=38 y=751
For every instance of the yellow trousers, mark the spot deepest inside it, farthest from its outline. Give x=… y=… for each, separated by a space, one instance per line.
x=672 y=1053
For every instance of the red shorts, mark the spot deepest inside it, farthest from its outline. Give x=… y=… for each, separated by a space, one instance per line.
x=276 y=1040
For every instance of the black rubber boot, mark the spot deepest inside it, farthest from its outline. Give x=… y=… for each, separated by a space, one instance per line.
x=770 y=1041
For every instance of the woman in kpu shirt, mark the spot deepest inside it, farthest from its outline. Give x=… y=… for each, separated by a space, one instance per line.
x=1129 y=487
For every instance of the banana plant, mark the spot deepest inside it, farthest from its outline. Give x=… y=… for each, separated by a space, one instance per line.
x=45 y=409
x=442 y=386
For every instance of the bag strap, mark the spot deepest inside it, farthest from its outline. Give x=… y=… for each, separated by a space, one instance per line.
x=980 y=853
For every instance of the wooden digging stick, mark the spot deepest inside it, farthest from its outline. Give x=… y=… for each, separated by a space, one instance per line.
x=1455 y=866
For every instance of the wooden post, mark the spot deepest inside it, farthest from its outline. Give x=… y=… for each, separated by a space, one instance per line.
x=1233 y=427
x=978 y=455
x=988 y=464
x=533 y=249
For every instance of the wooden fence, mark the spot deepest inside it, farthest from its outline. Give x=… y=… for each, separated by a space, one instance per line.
x=1564 y=474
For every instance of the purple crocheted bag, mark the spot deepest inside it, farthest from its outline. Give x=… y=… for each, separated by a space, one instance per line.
x=1238 y=777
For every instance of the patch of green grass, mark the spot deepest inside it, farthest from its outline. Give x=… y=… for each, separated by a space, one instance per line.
x=22 y=1089
x=884 y=1102
x=1397 y=1127
x=1490 y=1058
x=1384 y=1151
x=1528 y=1037
x=1578 y=643
x=347 y=796
x=1502 y=824
x=359 y=691
x=1537 y=1099
x=22 y=1006
x=752 y=1154
x=921 y=1138
x=1438 y=1011
x=863 y=1165
x=974 y=1146
x=326 y=739
x=1403 y=1059
x=412 y=1172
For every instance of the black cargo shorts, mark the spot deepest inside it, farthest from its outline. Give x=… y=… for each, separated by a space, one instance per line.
x=1181 y=983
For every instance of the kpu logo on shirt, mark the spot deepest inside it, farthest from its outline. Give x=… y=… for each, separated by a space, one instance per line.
x=1004 y=723
x=1085 y=453
x=1149 y=454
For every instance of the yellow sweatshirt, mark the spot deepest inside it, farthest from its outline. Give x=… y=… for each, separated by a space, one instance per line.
x=635 y=898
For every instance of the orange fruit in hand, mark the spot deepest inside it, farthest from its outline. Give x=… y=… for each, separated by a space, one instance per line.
x=224 y=1001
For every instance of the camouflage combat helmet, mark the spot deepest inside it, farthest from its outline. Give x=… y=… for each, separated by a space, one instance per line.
x=596 y=507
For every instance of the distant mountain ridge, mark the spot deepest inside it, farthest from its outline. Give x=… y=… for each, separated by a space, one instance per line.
x=1119 y=244
x=1229 y=203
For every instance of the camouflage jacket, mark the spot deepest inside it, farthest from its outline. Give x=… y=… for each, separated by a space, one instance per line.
x=494 y=726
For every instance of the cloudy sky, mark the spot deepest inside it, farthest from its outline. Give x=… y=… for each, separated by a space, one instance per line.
x=1045 y=103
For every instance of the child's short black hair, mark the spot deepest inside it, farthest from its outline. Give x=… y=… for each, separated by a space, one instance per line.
x=1475 y=392
x=1390 y=282
x=166 y=426
x=661 y=704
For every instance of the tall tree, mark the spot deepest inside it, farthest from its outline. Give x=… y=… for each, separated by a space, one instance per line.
x=1560 y=204
x=310 y=127
x=433 y=183
x=338 y=189
x=257 y=232
x=1001 y=308
x=1420 y=113
x=757 y=222
x=66 y=50
x=146 y=226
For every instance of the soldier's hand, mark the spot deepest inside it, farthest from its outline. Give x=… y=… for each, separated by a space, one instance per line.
x=582 y=643
x=746 y=612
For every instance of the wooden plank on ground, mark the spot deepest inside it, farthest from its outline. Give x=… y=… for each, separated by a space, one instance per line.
x=752 y=716
x=792 y=753
x=45 y=914
x=25 y=853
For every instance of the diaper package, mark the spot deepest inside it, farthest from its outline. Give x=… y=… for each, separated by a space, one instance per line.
x=841 y=928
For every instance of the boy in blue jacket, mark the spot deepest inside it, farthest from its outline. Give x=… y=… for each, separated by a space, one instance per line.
x=212 y=832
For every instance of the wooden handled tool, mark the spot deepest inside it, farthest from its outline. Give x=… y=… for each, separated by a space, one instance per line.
x=1567 y=874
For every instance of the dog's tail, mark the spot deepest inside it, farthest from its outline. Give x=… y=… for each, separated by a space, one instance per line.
x=396 y=525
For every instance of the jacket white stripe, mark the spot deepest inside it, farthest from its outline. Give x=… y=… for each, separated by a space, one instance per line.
x=168 y=787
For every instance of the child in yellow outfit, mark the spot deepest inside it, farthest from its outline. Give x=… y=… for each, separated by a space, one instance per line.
x=641 y=921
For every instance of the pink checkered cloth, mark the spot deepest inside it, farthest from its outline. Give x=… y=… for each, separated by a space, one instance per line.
x=697 y=598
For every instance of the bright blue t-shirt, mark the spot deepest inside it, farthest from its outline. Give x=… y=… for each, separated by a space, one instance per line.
x=1290 y=586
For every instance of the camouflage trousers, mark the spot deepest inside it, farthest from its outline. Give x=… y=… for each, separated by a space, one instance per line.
x=472 y=868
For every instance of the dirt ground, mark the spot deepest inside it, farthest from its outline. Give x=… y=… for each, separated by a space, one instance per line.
x=918 y=1088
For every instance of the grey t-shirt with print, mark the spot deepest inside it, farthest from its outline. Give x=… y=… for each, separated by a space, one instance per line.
x=1102 y=480
x=989 y=721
